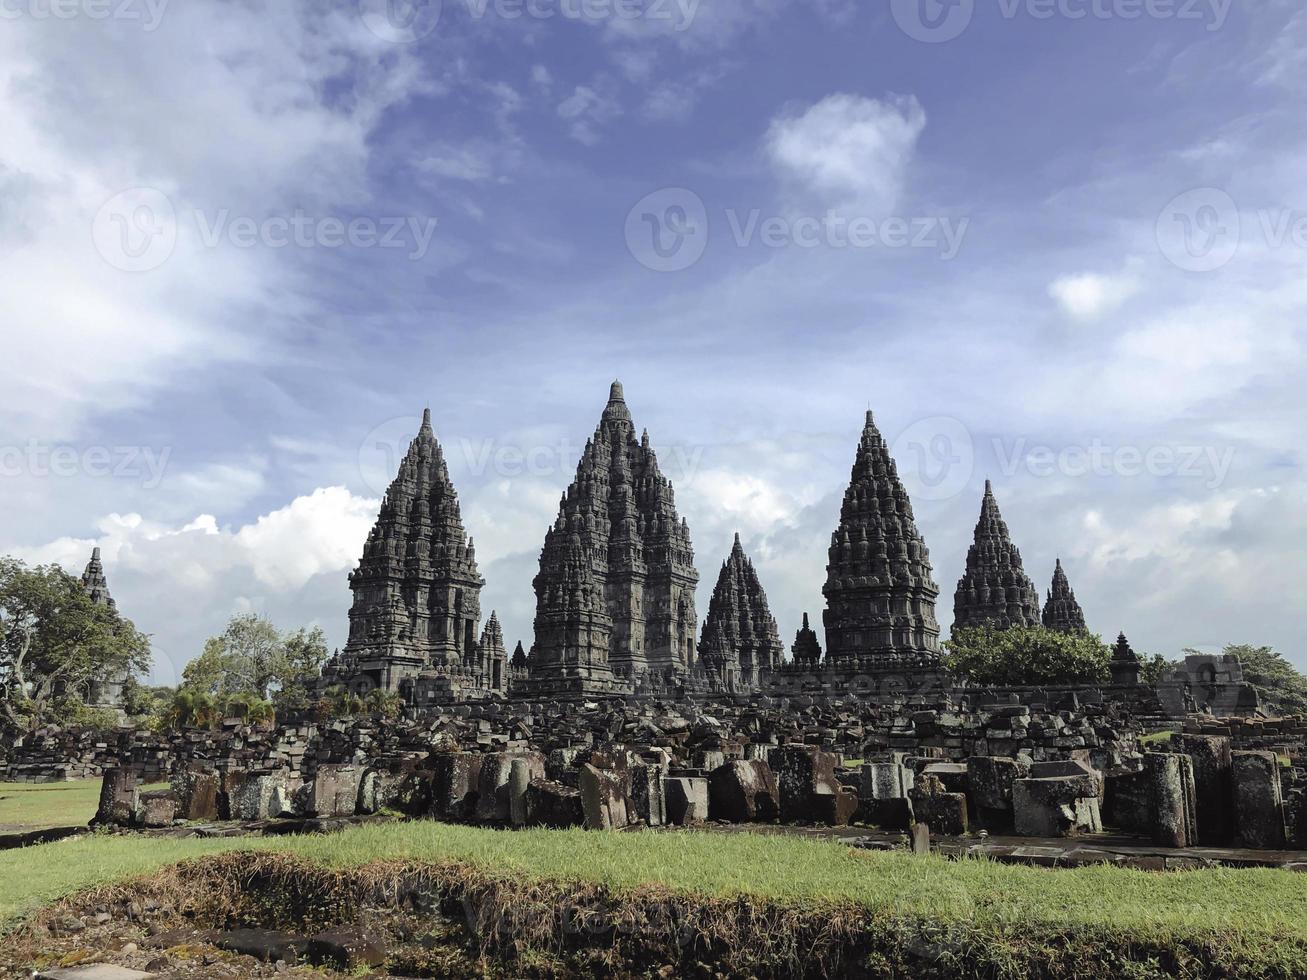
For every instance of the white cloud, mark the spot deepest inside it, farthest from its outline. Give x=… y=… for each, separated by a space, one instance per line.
x=1089 y=295
x=587 y=110
x=848 y=150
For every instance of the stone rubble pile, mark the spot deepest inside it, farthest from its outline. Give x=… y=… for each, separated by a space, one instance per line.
x=609 y=766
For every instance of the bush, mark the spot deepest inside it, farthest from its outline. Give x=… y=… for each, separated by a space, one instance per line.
x=1026 y=656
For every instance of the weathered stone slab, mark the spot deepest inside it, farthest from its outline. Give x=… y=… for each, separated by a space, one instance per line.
x=1213 y=786
x=744 y=792
x=603 y=799
x=1258 y=800
x=1171 y=788
x=119 y=799
x=335 y=791
x=945 y=812
x=551 y=804
x=687 y=800
x=196 y=792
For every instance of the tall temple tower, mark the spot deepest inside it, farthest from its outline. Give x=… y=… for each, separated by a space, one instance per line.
x=740 y=642
x=104 y=691
x=994 y=589
x=95 y=583
x=417 y=591
x=617 y=577
x=880 y=596
x=1062 y=612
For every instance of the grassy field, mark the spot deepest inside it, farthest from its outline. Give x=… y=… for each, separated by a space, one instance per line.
x=38 y=806
x=791 y=870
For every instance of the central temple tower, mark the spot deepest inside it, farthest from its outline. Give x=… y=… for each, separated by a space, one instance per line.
x=880 y=596
x=616 y=585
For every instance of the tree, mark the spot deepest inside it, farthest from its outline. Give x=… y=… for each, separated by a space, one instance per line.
x=252 y=656
x=1279 y=685
x=54 y=641
x=1028 y=656
x=383 y=704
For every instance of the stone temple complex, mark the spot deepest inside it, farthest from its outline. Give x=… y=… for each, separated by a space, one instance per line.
x=740 y=644
x=995 y=589
x=615 y=592
x=880 y=593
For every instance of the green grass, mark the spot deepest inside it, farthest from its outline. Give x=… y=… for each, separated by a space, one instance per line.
x=791 y=870
x=39 y=806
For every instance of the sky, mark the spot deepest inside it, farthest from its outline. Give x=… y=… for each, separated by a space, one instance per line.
x=1059 y=244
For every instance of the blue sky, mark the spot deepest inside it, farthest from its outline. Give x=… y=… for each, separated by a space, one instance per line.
x=1056 y=243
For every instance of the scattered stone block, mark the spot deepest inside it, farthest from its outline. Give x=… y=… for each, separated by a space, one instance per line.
x=1057 y=799
x=1258 y=800
x=807 y=782
x=119 y=799
x=989 y=788
x=96 y=971
x=1171 y=790
x=687 y=800
x=335 y=791
x=603 y=799
x=196 y=792
x=1213 y=785
x=647 y=803
x=744 y=792
x=945 y=812
x=455 y=785
x=551 y=804
x=158 y=809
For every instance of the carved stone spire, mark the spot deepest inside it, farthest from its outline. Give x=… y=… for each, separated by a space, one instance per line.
x=807 y=648
x=617 y=578
x=417 y=590
x=740 y=641
x=519 y=661
x=95 y=583
x=994 y=588
x=491 y=656
x=1061 y=611
x=880 y=594
x=1126 y=667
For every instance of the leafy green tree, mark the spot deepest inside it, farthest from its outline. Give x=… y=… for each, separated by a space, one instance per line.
x=1028 y=655
x=54 y=641
x=252 y=657
x=1279 y=685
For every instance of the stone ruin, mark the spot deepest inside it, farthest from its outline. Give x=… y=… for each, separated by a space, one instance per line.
x=1008 y=770
x=615 y=613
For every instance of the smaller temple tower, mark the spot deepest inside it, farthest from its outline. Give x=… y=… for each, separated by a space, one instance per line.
x=491 y=659
x=807 y=648
x=740 y=643
x=1062 y=612
x=995 y=589
x=1125 y=666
